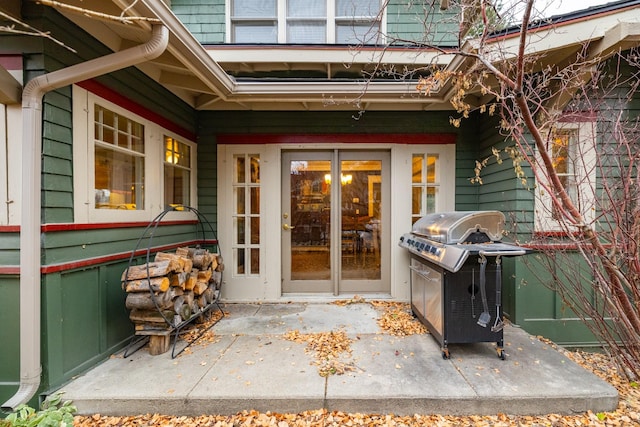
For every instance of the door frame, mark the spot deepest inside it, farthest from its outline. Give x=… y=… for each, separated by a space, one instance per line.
x=336 y=284
x=267 y=286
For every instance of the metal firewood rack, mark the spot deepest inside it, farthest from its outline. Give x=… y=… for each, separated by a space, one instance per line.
x=173 y=328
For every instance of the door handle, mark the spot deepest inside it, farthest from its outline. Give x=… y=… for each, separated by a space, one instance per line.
x=288 y=227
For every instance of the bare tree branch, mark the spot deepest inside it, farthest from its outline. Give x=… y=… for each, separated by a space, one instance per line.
x=98 y=15
x=30 y=31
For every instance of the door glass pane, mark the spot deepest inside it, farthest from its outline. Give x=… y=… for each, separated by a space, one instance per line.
x=240 y=169
x=240 y=230
x=310 y=219
x=239 y=193
x=255 y=261
x=361 y=203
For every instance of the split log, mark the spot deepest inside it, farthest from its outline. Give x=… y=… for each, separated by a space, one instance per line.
x=150 y=316
x=220 y=266
x=152 y=269
x=202 y=301
x=216 y=279
x=184 y=252
x=157 y=284
x=200 y=287
x=188 y=297
x=143 y=300
x=209 y=295
x=178 y=279
x=152 y=328
x=185 y=263
x=191 y=280
x=178 y=302
x=184 y=311
x=176 y=291
x=204 y=275
x=202 y=260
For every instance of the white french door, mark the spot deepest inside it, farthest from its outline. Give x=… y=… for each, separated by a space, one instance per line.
x=335 y=222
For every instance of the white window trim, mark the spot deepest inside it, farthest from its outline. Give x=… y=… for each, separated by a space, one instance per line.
x=83 y=165
x=10 y=163
x=281 y=13
x=4 y=164
x=585 y=176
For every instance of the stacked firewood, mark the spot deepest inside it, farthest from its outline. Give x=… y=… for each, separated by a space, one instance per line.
x=173 y=288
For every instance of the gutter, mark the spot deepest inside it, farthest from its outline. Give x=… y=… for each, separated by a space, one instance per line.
x=30 y=257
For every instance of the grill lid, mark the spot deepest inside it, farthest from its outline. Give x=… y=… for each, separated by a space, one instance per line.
x=460 y=227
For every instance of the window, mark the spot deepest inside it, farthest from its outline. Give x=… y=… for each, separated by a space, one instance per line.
x=177 y=172
x=424 y=185
x=246 y=215
x=563 y=155
x=127 y=167
x=305 y=21
x=572 y=151
x=119 y=161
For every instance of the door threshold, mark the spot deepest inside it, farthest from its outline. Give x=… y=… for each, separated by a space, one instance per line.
x=297 y=297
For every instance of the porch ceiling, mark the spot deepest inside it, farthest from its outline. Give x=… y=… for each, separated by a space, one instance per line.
x=224 y=77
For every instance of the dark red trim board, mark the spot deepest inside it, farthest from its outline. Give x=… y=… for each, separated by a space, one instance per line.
x=336 y=138
x=104 y=92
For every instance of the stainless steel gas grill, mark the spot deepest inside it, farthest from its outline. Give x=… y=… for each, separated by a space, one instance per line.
x=456 y=276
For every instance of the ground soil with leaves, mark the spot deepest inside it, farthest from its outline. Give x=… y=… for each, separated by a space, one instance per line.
x=332 y=352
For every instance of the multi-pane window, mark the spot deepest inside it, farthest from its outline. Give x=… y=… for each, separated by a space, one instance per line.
x=177 y=172
x=305 y=21
x=246 y=214
x=357 y=21
x=119 y=149
x=254 y=21
x=563 y=156
x=572 y=150
x=424 y=185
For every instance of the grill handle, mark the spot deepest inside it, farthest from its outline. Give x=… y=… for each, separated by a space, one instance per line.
x=502 y=253
x=420 y=272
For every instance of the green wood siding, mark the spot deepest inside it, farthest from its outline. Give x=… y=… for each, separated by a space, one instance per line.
x=422 y=23
x=9 y=336
x=372 y=122
x=84 y=320
x=9 y=248
x=69 y=246
x=208 y=178
x=407 y=22
x=467 y=152
x=204 y=19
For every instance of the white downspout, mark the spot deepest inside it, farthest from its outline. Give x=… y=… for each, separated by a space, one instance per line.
x=30 y=261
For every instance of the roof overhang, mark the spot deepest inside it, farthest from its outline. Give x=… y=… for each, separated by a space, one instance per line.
x=202 y=76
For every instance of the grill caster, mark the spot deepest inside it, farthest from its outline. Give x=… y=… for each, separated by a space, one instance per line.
x=445 y=354
x=501 y=353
